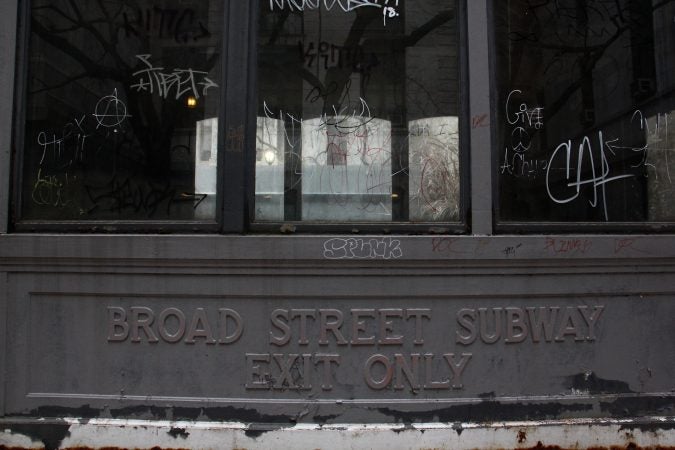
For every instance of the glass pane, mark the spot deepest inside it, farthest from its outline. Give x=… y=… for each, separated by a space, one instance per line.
x=586 y=100
x=358 y=106
x=121 y=110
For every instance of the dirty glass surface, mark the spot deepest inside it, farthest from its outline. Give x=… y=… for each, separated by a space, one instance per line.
x=121 y=111
x=358 y=106
x=586 y=129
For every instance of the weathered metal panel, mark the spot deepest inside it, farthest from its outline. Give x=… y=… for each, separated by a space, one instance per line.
x=408 y=334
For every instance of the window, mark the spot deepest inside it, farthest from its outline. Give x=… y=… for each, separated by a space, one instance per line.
x=122 y=101
x=585 y=111
x=126 y=105
x=358 y=112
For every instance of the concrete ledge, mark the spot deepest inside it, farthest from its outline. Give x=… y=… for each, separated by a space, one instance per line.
x=638 y=433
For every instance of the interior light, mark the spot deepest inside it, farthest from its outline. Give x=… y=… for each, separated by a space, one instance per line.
x=191 y=102
x=270 y=156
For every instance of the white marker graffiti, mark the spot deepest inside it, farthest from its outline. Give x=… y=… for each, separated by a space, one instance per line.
x=345 y=5
x=110 y=111
x=183 y=81
x=356 y=248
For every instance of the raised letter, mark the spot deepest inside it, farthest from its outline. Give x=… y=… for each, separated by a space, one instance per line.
x=466 y=318
x=117 y=319
x=568 y=326
x=180 y=331
x=545 y=320
x=490 y=338
x=275 y=317
x=360 y=325
x=333 y=326
x=326 y=360
x=515 y=320
x=303 y=314
x=285 y=377
x=591 y=319
x=256 y=378
x=428 y=369
x=418 y=314
x=142 y=317
x=238 y=326
x=411 y=374
x=457 y=368
x=196 y=330
x=386 y=327
x=388 y=372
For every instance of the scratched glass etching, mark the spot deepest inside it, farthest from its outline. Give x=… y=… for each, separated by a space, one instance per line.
x=358 y=105
x=121 y=115
x=585 y=110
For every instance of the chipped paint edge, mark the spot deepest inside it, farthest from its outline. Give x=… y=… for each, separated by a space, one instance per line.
x=66 y=433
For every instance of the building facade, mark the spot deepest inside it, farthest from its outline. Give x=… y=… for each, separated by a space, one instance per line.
x=337 y=224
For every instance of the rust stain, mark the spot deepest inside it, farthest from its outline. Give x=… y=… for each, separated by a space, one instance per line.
x=522 y=436
x=629 y=446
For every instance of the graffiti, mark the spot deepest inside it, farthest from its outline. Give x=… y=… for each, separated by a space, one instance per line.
x=110 y=111
x=179 y=25
x=567 y=246
x=522 y=120
x=480 y=121
x=52 y=190
x=328 y=5
x=327 y=55
x=581 y=162
x=183 y=81
x=358 y=248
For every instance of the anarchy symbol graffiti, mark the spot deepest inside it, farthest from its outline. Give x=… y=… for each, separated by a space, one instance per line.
x=110 y=111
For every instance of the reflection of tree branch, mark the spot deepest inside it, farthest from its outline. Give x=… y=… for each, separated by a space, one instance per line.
x=59 y=85
x=67 y=47
x=588 y=58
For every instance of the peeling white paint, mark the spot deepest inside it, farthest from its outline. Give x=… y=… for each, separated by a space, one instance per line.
x=581 y=433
